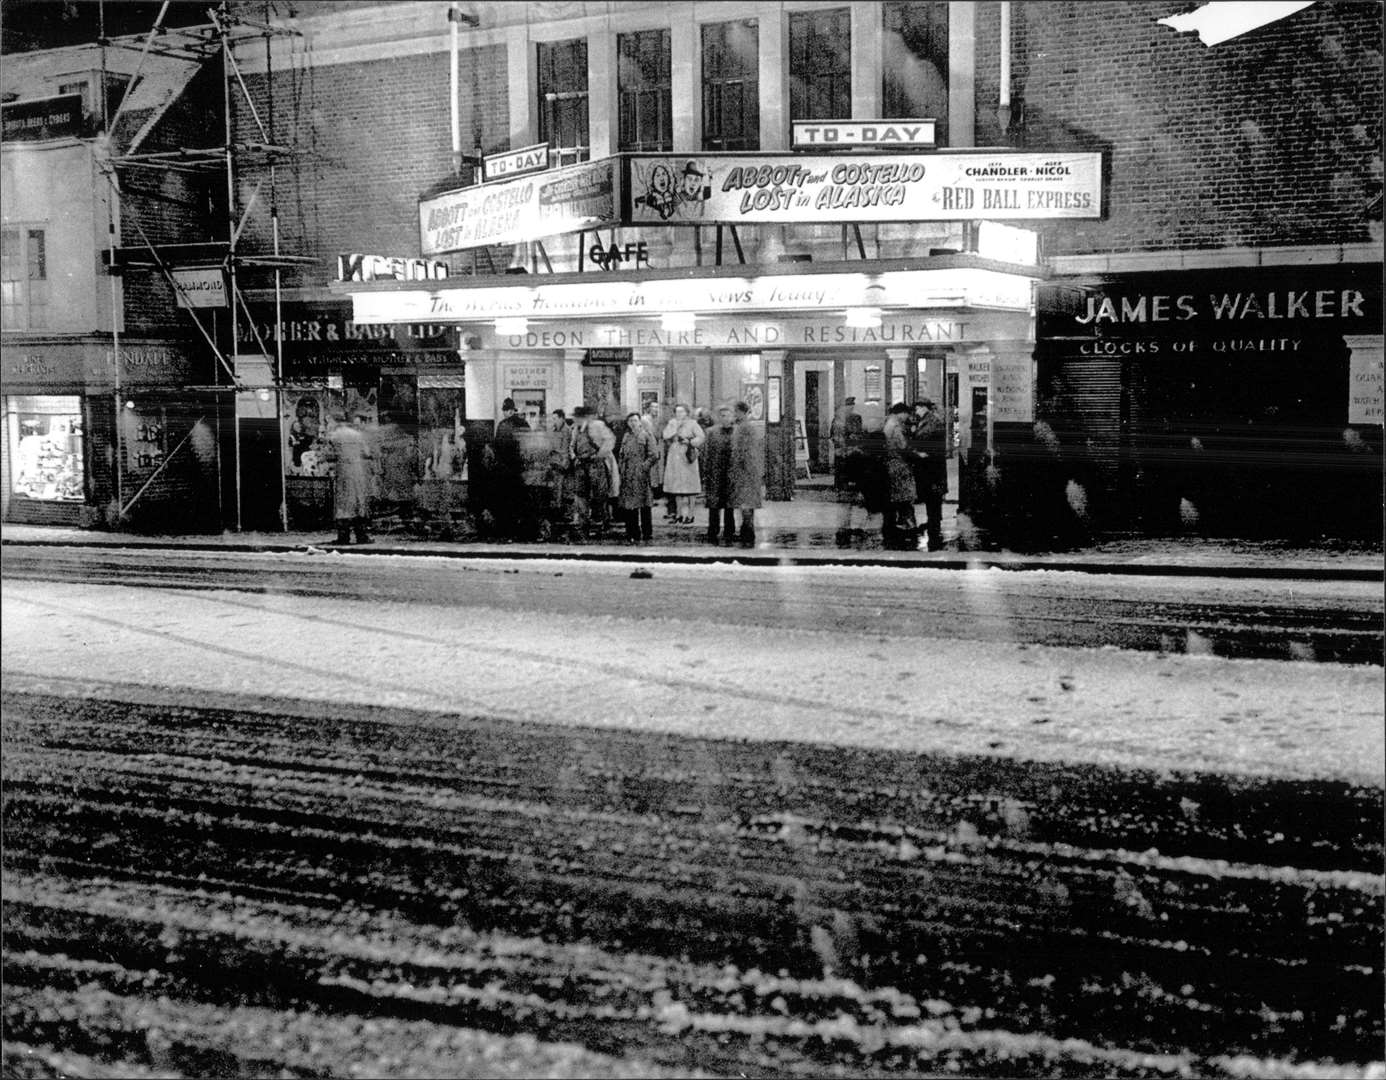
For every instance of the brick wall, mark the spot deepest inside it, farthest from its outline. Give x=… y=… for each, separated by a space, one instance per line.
x=173 y=206
x=374 y=138
x=1272 y=138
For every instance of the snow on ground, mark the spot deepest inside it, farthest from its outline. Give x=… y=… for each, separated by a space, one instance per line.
x=821 y=686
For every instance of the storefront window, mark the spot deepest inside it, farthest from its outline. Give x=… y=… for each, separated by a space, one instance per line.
x=731 y=99
x=643 y=78
x=46 y=440
x=915 y=67
x=563 y=100
x=820 y=65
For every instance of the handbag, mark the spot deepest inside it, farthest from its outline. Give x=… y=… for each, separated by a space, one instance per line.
x=691 y=452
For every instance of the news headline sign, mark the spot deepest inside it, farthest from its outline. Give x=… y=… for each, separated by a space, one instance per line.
x=529 y=207
x=744 y=188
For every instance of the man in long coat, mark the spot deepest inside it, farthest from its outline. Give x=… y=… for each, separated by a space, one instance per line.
x=897 y=525
x=507 y=479
x=929 y=440
x=351 y=479
x=717 y=477
x=747 y=472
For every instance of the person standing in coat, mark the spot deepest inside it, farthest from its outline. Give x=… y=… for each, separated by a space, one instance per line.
x=846 y=433
x=747 y=472
x=717 y=477
x=929 y=440
x=593 y=457
x=637 y=453
x=352 y=479
x=682 y=439
x=507 y=479
x=897 y=525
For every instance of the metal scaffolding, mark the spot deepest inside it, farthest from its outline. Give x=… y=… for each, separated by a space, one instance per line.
x=260 y=153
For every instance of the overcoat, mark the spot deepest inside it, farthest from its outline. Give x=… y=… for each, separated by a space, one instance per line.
x=717 y=467
x=637 y=453
x=899 y=462
x=747 y=472
x=352 y=480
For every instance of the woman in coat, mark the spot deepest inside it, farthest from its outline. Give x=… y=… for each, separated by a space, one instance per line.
x=637 y=453
x=898 y=529
x=682 y=438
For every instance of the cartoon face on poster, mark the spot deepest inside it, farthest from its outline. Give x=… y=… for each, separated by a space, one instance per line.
x=671 y=193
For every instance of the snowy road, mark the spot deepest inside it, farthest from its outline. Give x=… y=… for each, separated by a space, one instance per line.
x=309 y=815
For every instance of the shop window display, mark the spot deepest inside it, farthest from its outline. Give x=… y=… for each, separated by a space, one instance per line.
x=46 y=434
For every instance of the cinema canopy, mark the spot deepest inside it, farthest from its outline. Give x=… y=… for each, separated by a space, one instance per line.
x=877 y=276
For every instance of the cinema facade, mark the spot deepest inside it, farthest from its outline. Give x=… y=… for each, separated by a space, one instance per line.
x=906 y=291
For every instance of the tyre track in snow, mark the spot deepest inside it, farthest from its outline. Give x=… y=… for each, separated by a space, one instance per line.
x=744 y=907
x=1260 y=620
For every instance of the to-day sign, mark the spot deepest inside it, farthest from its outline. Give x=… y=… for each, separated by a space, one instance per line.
x=512 y=163
x=862 y=134
x=580 y=196
x=203 y=288
x=726 y=189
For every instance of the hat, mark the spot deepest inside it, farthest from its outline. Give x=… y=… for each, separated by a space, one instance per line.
x=508 y=405
x=899 y=407
x=928 y=403
x=691 y=169
x=581 y=411
x=849 y=401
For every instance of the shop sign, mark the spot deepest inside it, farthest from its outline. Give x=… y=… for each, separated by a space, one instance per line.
x=616 y=257
x=360 y=267
x=1012 y=391
x=1366 y=387
x=915 y=289
x=905 y=187
x=862 y=134
x=515 y=162
x=607 y=342
x=45 y=118
x=535 y=376
x=609 y=356
x=575 y=197
x=205 y=288
x=1233 y=310
x=90 y=364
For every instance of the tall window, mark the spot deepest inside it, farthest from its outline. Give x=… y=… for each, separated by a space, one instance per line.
x=731 y=98
x=643 y=81
x=915 y=63
x=563 y=100
x=820 y=65
x=23 y=279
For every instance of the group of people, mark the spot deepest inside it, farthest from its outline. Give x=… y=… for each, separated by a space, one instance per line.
x=887 y=470
x=595 y=474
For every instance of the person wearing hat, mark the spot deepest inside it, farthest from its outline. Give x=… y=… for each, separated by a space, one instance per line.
x=594 y=464
x=507 y=480
x=352 y=476
x=846 y=434
x=929 y=443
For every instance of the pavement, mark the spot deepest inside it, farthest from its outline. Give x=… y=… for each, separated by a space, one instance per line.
x=800 y=533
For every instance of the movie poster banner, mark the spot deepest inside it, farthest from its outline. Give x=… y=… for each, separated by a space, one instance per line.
x=531 y=207
x=735 y=188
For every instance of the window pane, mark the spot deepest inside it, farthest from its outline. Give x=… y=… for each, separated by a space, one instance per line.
x=820 y=65
x=562 y=78
x=731 y=119
x=915 y=62
x=38 y=260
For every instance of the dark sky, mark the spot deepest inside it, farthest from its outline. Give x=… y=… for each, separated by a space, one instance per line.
x=45 y=24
